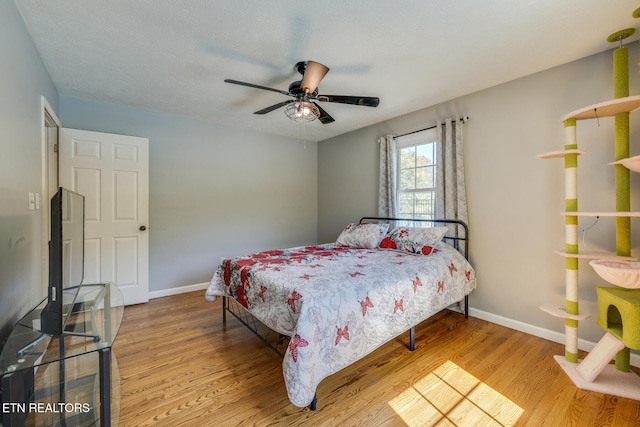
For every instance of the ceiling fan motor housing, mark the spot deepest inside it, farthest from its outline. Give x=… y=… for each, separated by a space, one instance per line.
x=296 y=89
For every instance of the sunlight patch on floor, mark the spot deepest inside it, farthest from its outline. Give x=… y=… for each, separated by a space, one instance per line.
x=450 y=396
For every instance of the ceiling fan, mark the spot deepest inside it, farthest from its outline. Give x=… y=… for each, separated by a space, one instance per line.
x=302 y=107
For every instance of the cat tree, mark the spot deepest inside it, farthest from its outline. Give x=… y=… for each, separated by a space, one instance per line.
x=619 y=307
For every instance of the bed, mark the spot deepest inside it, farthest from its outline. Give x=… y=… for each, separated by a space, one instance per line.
x=323 y=307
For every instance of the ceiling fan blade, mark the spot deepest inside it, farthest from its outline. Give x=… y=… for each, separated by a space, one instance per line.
x=313 y=74
x=275 y=106
x=354 y=100
x=236 y=82
x=324 y=118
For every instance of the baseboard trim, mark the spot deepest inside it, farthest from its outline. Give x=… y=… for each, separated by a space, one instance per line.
x=538 y=331
x=179 y=290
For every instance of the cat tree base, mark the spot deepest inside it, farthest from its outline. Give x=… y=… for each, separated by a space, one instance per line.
x=609 y=381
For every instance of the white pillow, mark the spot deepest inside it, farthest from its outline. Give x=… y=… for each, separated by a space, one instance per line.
x=418 y=240
x=362 y=235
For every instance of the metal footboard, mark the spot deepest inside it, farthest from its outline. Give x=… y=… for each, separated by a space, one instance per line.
x=272 y=339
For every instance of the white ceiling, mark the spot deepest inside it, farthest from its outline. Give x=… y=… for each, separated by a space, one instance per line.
x=172 y=56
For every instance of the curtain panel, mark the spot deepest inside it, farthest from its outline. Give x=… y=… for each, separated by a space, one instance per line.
x=387 y=188
x=451 y=193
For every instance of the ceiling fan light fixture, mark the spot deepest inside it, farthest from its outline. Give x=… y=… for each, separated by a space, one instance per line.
x=302 y=107
x=302 y=111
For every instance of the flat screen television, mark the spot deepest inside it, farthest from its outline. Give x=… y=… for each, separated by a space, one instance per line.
x=66 y=259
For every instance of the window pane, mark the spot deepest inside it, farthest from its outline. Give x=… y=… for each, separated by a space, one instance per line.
x=424 y=155
x=408 y=157
x=406 y=204
x=408 y=179
x=424 y=203
x=424 y=177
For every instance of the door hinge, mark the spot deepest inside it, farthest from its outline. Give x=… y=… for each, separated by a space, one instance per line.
x=55 y=148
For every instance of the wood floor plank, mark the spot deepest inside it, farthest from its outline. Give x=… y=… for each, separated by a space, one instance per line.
x=181 y=366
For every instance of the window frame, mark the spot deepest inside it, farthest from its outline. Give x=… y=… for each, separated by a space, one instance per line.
x=417 y=139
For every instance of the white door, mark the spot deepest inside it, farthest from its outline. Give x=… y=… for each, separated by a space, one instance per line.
x=112 y=172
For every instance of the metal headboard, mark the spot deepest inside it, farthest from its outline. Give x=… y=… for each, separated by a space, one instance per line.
x=456 y=238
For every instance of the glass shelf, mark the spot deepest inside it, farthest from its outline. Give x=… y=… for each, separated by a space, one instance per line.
x=75 y=369
x=27 y=346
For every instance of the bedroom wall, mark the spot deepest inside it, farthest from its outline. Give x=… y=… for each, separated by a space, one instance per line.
x=514 y=199
x=215 y=191
x=24 y=79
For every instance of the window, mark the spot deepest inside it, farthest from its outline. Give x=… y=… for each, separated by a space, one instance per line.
x=417 y=176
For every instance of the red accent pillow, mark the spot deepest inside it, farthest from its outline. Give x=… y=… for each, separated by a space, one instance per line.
x=415 y=240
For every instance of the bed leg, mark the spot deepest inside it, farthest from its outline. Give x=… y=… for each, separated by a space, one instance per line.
x=224 y=310
x=412 y=338
x=466 y=306
x=314 y=403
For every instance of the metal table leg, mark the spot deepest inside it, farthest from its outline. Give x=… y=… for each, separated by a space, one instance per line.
x=104 y=360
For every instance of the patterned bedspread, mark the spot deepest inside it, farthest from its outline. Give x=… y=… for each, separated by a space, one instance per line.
x=337 y=303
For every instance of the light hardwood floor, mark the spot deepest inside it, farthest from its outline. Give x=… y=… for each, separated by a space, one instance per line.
x=180 y=365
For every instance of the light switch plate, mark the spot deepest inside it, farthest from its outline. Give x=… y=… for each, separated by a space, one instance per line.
x=32 y=201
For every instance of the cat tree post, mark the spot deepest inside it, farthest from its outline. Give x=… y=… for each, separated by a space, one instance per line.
x=571 y=240
x=622 y=174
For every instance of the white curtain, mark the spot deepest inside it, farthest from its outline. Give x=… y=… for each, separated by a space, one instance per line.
x=387 y=191
x=451 y=194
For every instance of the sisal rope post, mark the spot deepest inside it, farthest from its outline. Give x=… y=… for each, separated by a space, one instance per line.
x=571 y=240
x=622 y=174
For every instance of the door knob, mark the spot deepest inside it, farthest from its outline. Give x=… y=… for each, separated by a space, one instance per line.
x=142 y=228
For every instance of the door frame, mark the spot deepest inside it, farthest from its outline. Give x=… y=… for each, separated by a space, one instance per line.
x=48 y=120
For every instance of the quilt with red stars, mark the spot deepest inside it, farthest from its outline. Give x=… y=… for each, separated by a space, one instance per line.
x=338 y=303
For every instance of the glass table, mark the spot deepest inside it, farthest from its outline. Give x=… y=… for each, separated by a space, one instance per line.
x=64 y=379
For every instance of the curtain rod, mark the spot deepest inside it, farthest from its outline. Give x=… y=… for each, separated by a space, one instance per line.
x=462 y=119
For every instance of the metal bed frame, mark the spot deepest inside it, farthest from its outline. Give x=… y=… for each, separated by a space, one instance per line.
x=278 y=342
x=455 y=239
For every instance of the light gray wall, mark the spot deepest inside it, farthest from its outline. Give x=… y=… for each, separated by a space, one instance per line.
x=23 y=80
x=514 y=199
x=215 y=191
